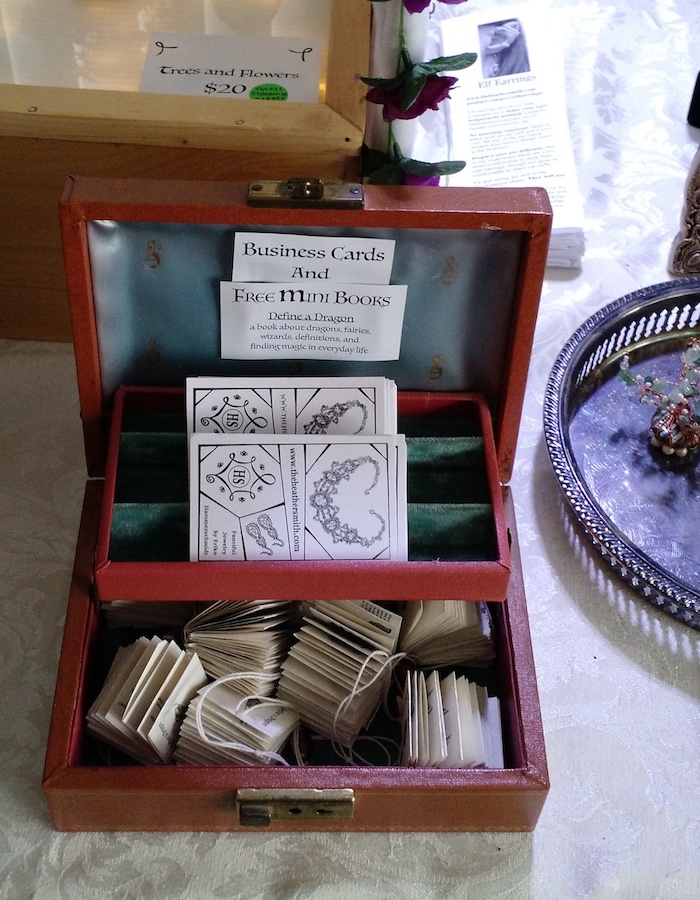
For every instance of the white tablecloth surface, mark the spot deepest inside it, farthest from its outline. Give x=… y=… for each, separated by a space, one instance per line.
x=619 y=680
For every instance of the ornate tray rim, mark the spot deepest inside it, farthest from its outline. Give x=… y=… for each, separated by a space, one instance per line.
x=640 y=572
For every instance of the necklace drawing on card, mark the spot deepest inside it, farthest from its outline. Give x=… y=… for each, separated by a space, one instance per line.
x=331 y=415
x=327 y=511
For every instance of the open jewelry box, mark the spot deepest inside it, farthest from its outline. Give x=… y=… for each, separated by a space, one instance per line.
x=144 y=261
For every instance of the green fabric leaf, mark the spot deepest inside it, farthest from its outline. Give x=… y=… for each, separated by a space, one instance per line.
x=386 y=84
x=388 y=174
x=427 y=169
x=445 y=64
x=372 y=159
x=378 y=167
x=412 y=88
x=381 y=168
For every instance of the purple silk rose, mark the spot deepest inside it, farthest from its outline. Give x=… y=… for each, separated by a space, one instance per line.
x=421 y=180
x=435 y=89
x=416 y=6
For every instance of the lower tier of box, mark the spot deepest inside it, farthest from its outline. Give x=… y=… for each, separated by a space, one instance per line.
x=85 y=795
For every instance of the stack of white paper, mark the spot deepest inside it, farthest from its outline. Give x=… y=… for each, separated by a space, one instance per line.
x=507 y=116
x=297 y=497
x=290 y=406
x=304 y=469
x=338 y=668
x=143 y=699
x=446 y=633
x=450 y=722
x=225 y=726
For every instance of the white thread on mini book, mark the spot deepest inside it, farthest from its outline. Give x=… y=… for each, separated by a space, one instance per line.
x=346 y=754
x=262 y=755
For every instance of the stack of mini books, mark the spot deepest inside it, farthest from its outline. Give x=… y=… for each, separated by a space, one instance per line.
x=159 y=702
x=248 y=638
x=450 y=722
x=142 y=702
x=339 y=666
x=446 y=633
x=165 y=616
x=226 y=726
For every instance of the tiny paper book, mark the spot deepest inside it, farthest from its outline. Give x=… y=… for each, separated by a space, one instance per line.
x=339 y=665
x=143 y=699
x=224 y=726
x=450 y=722
x=446 y=633
x=236 y=636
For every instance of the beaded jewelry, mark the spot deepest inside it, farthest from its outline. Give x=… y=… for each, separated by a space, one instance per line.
x=327 y=511
x=265 y=522
x=675 y=426
x=331 y=415
x=254 y=531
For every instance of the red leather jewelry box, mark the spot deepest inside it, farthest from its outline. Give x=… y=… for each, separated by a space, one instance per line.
x=143 y=262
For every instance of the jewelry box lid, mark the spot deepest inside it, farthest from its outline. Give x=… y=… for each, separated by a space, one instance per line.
x=145 y=261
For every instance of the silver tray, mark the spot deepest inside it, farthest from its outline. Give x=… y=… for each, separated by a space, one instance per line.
x=640 y=509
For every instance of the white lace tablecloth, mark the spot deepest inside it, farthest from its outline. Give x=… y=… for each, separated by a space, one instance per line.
x=619 y=681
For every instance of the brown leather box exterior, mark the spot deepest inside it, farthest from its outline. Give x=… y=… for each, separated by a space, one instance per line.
x=85 y=794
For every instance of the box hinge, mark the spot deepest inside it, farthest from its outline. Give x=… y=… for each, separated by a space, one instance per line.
x=260 y=806
x=306 y=193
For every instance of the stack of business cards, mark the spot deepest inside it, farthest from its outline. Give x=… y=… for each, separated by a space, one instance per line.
x=224 y=726
x=339 y=666
x=304 y=469
x=450 y=723
x=327 y=406
x=297 y=497
x=144 y=697
x=447 y=633
x=241 y=636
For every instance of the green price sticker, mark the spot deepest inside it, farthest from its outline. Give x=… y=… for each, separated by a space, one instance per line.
x=268 y=92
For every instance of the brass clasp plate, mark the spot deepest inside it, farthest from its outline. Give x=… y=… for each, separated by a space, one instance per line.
x=260 y=807
x=309 y=193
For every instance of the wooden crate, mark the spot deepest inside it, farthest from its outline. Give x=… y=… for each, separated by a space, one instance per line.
x=48 y=133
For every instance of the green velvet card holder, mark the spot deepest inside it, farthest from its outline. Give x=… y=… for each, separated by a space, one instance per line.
x=450 y=516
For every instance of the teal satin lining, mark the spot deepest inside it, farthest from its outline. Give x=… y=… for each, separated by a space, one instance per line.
x=156 y=297
x=450 y=516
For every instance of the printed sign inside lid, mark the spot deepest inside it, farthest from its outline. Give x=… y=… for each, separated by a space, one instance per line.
x=294 y=257
x=308 y=320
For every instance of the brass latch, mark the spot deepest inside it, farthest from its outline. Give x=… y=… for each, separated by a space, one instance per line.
x=260 y=807
x=306 y=192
